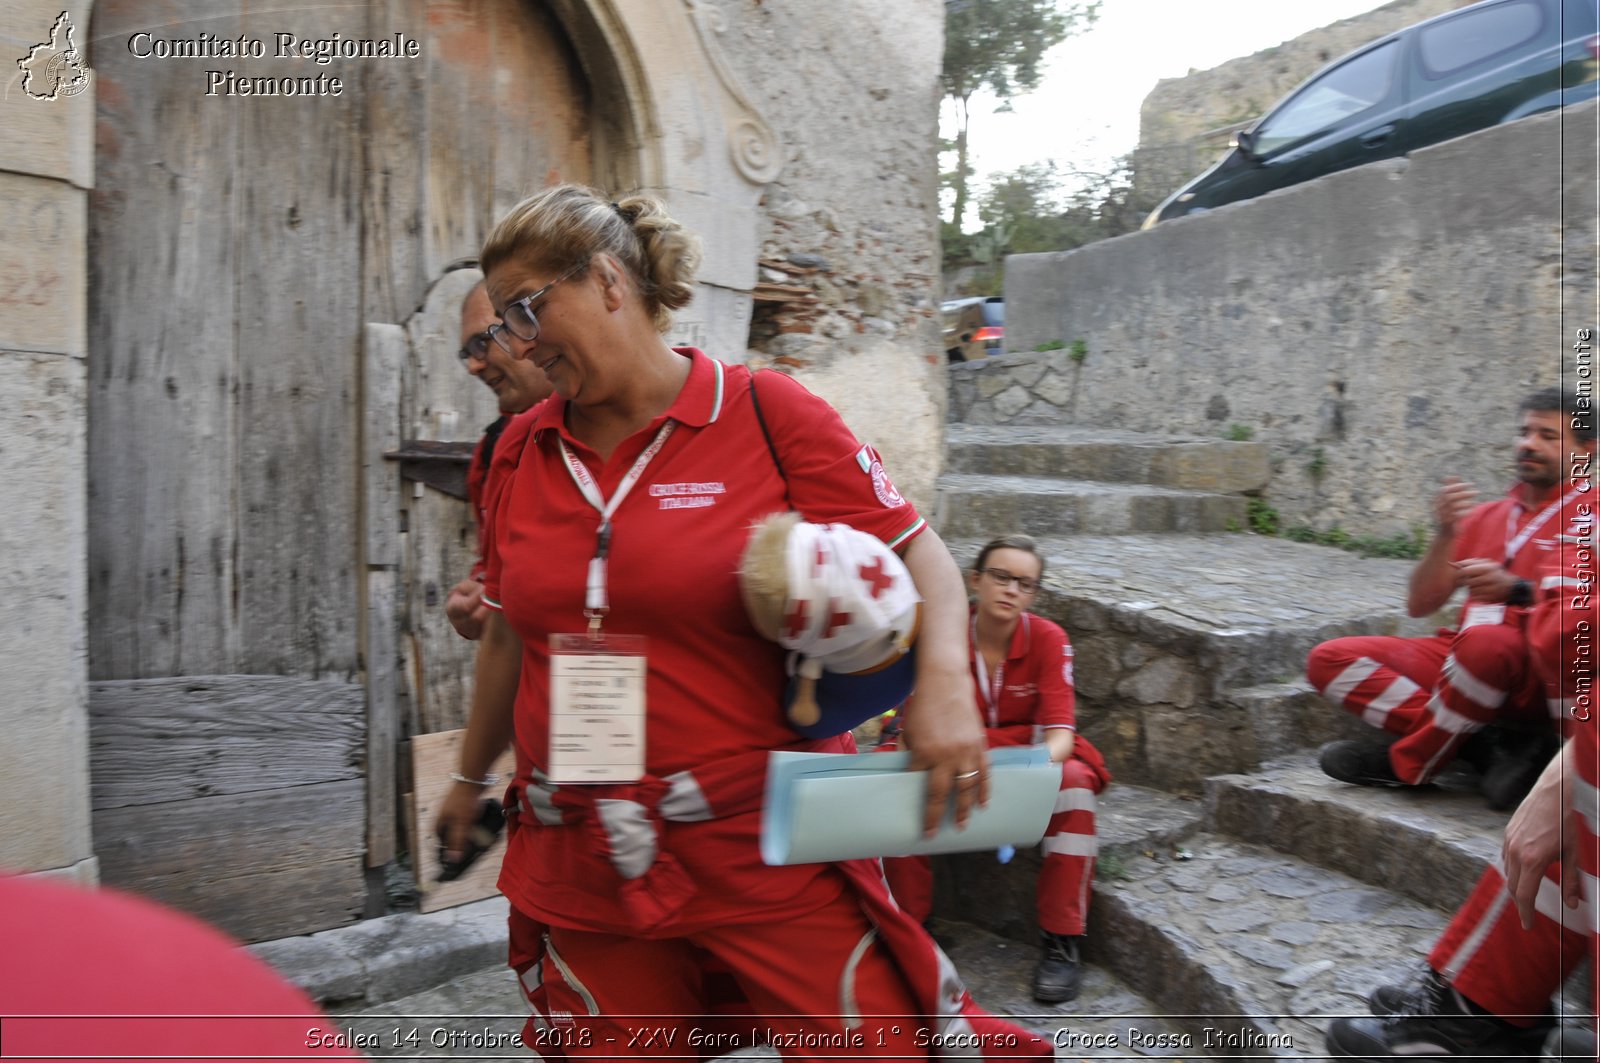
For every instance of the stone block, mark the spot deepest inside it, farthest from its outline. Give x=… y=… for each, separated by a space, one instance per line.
x=44 y=800
x=1055 y=388
x=1011 y=402
x=991 y=384
x=1163 y=681
x=324 y=971
x=51 y=138
x=43 y=264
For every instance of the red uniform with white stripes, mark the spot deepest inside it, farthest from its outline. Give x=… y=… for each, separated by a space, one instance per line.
x=1030 y=693
x=637 y=882
x=1435 y=692
x=1562 y=641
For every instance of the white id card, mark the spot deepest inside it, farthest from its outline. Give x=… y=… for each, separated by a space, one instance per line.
x=1483 y=614
x=596 y=708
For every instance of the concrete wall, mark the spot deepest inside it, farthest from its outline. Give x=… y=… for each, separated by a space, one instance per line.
x=1376 y=328
x=851 y=88
x=45 y=174
x=1185 y=123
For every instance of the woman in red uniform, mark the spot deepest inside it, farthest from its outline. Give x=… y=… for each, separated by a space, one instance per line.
x=617 y=512
x=1022 y=675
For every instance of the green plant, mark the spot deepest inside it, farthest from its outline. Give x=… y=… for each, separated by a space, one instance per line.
x=1110 y=867
x=1407 y=546
x=1078 y=351
x=1240 y=433
x=1053 y=345
x=1262 y=517
x=1318 y=463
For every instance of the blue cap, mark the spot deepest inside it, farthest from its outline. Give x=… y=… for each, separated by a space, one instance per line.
x=848 y=700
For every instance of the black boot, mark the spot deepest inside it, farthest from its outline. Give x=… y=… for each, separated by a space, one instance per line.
x=1517 y=760
x=1358 y=762
x=1059 y=974
x=1435 y=1021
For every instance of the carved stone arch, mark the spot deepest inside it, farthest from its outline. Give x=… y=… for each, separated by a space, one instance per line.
x=671 y=116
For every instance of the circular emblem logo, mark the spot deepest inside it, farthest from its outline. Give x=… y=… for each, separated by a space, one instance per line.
x=884 y=488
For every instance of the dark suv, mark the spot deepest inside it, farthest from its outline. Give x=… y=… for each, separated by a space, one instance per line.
x=1451 y=75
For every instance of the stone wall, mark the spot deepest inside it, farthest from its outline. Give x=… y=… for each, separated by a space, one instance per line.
x=1376 y=328
x=45 y=174
x=848 y=296
x=1185 y=123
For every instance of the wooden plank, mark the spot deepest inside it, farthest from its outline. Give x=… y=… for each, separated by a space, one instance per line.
x=433 y=758
x=392 y=277
x=443 y=543
x=385 y=352
x=383 y=719
x=265 y=865
x=298 y=485
x=441 y=540
x=487 y=146
x=160 y=740
x=163 y=375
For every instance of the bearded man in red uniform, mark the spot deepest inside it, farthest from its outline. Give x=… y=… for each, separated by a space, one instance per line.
x=1435 y=694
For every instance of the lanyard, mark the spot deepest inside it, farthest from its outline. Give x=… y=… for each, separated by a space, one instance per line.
x=1516 y=542
x=991 y=692
x=595 y=602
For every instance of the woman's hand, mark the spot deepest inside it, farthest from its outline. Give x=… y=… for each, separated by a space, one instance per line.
x=1541 y=831
x=940 y=723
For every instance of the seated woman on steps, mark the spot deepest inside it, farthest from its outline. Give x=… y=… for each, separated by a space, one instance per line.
x=1021 y=667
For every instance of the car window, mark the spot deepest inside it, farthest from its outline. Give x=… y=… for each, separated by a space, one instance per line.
x=1348 y=89
x=1474 y=36
x=994 y=313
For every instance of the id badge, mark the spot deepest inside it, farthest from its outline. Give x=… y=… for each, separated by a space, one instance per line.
x=596 y=708
x=1483 y=614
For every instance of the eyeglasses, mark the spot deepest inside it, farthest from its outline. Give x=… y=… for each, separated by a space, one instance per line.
x=475 y=349
x=519 y=319
x=1004 y=579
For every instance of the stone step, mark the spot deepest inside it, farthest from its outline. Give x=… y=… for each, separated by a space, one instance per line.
x=973 y=505
x=473 y=1017
x=1430 y=844
x=1228 y=936
x=1075 y=452
x=1170 y=631
x=1130 y=821
x=1286 y=718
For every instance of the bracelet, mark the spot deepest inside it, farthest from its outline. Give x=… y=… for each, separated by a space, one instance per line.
x=488 y=780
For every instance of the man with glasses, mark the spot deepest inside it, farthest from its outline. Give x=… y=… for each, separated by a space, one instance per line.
x=518 y=386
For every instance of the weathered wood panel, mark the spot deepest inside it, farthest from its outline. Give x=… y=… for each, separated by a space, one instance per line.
x=163 y=396
x=384 y=354
x=442 y=400
x=299 y=358
x=507 y=112
x=240 y=799
x=259 y=865
x=392 y=274
x=433 y=758
x=153 y=741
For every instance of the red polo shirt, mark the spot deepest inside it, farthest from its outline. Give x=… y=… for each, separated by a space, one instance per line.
x=1522 y=539
x=1034 y=685
x=713 y=683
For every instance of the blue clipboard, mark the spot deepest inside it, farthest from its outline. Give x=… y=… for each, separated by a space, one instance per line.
x=822 y=807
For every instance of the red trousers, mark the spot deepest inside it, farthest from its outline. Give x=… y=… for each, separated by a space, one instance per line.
x=1432 y=692
x=1487 y=955
x=1069 y=848
x=819 y=988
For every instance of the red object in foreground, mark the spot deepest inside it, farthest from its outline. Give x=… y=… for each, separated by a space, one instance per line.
x=104 y=975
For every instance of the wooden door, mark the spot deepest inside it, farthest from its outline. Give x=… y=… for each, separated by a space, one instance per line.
x=238 y=247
